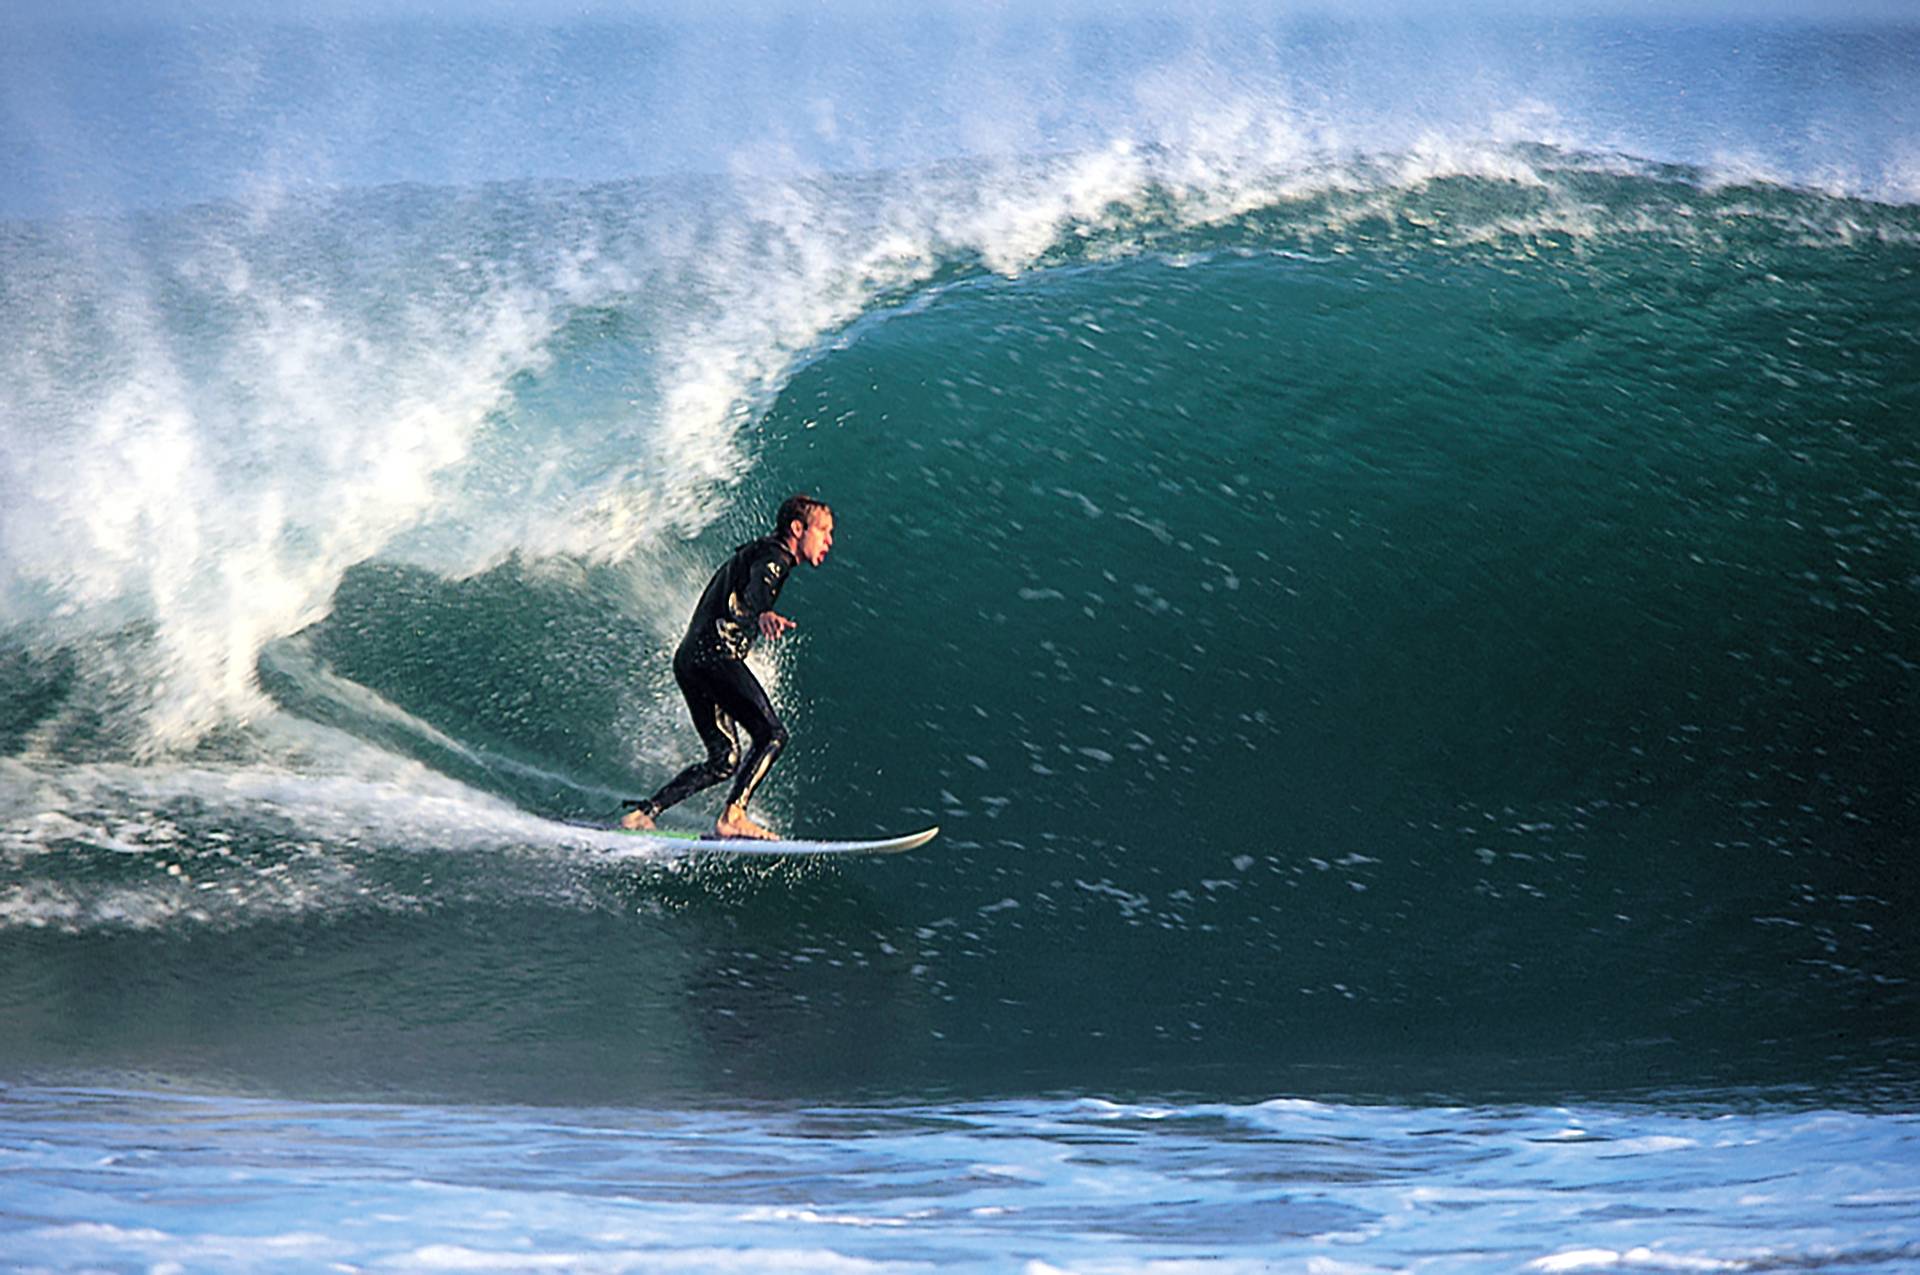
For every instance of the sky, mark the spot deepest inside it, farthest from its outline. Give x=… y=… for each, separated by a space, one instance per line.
x=108 y=105
x=147 y=12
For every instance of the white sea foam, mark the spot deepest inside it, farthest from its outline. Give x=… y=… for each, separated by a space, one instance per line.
x=1642 y=1258
x=211 y=487
x=197 y=1251
x=461 y=1257
x=280 y=836
x=1182 y=1266
x=814 y=1217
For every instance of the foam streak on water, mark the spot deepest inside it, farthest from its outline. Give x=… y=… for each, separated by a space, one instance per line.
x=114 y=1178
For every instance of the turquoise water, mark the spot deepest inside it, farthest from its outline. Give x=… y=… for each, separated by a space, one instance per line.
x=1389 y=551
x=1039 y=1185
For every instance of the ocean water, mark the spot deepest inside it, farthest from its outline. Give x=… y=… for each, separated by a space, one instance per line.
x=1390 y=548
x=1040 y=1185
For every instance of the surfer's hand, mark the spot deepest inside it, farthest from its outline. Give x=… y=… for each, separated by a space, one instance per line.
x=773 y=625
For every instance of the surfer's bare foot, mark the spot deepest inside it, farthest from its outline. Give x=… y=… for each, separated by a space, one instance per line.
x=636 y=820
x=733 y=822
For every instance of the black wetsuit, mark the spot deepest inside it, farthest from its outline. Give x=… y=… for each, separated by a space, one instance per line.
x=722 y=693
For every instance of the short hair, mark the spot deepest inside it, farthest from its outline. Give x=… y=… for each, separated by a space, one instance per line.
x=797 y=508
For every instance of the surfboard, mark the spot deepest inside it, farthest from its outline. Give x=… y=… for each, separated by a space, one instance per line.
x=674 y=841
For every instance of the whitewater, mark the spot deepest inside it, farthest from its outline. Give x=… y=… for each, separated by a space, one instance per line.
x=1390 y=546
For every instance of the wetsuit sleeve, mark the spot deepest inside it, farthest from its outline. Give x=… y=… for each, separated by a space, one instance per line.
x=765 y=578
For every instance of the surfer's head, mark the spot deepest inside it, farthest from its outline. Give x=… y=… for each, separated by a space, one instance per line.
x=805 y=526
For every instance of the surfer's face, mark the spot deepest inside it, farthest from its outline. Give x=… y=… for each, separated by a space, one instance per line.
x=815 y=538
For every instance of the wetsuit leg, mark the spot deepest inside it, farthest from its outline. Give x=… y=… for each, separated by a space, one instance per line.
x=717 y=732
x=741 y=696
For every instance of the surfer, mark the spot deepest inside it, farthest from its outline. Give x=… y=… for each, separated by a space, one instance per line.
x=710 y=665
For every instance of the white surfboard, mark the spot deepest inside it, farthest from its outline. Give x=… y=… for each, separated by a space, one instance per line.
x=672 y=841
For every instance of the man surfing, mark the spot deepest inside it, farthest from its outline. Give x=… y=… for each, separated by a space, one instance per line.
x=711 y=667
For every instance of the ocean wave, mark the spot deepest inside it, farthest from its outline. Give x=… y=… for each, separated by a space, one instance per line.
x=214 y=422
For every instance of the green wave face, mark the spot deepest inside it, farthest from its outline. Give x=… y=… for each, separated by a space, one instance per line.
x=1501 y=643
x=1320 y=550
